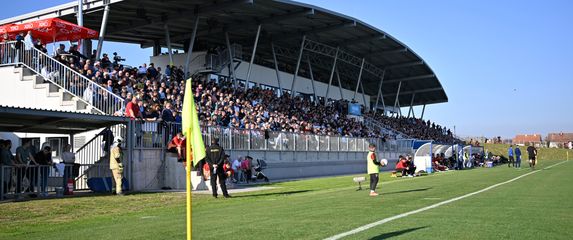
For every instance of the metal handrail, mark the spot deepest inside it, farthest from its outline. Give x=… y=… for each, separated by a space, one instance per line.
x=64 y=77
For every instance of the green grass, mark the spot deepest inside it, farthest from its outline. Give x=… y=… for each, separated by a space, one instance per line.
x=542 y=153
x=537 y=206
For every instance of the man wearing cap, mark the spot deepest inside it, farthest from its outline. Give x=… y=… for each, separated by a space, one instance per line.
x=215 y=159
x=116 y=164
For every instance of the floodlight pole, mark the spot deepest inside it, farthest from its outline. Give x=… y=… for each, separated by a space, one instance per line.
x=339 y=85
x=191 y=44
x=411 y=110
x=397 y=95
x=297 y=65
x=312 y=80
x=277 y=68
x=168 y=41
x=253 y=56
x=102 y=31
x=231 y=63
x=379 y=95
x=359 y=79
x=423 y=109
x=331 y=76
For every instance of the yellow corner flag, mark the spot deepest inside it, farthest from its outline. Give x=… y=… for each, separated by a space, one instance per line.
x=194 y=143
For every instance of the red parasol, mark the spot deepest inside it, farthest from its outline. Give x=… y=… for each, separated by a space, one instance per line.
x=50 y=30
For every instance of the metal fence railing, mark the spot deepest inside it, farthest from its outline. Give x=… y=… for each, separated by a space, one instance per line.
x=158 y=135
x=61 y=75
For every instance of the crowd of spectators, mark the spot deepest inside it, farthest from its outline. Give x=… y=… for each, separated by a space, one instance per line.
x=416 y=128
x=152 y=93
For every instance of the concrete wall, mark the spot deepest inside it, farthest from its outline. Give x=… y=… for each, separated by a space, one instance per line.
x=147 y=171
x=265 y=75
x=285 y=165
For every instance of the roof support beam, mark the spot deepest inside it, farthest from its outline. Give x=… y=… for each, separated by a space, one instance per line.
x=396 y=102
x=191 y=45
x=312 y=80
x=277 y=69
x=297 y=64
x=331 y=76
x=252 y=56
x=168 y=44
x=339 y=84
x=380 y=95
x=387 y=52
x=232 y=63
x=411 y=110
x=423 y=110
x=359 y=79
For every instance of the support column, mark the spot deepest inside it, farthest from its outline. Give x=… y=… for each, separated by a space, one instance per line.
x=80 y=16
x=411 y=110
x=102 y=31
x=331 y=76
x=339 y=85
x=253 y=56
x=156 y=48
x=423 y=109
x=359 y=79
x=168 y=41
x=231 y=63
x=380 y=94
x=297 y=65
x=396 y=103
x=277 y=69
x=312 y=80
x=363 y=94
x=191 y=44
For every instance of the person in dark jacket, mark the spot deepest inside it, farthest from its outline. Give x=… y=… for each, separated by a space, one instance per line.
x=215 y=159
x=517 y=157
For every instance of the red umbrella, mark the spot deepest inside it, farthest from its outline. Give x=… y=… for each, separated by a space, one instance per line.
x=50 y=30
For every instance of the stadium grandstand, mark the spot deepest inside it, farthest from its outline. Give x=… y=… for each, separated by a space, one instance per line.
x=279 y=80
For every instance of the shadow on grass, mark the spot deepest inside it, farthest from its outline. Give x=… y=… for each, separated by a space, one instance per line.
x=272 y=194
x=407 y=191
x=396 y=233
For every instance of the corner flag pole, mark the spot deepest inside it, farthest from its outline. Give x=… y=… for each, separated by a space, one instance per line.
x=188 y=181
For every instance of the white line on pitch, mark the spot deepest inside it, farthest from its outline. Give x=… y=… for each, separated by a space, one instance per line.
x=385 y=220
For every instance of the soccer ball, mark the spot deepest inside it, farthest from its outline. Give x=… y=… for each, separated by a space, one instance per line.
x=384 y=162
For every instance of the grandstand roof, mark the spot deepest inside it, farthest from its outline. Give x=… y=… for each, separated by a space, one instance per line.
x=31 y=120
x=284 y=23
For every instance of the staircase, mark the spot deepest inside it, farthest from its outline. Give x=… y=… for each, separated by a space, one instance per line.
x=55 y=85
x=23 y=88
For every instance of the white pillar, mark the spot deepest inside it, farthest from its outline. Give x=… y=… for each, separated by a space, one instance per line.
x=102 y=31
x=191 y=44
x=253 y=56
x=297 y=65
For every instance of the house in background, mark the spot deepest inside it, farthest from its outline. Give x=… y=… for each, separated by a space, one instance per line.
x=560 y=140
x=527 y=140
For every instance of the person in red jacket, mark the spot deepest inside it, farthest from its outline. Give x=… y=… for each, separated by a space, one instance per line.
x=177 y=145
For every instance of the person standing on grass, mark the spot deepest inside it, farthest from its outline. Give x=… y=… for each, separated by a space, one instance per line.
x=215 y=159
x=116 y=164
x=510 y=156
x=517 y=157
x=373 y=165
x=532 y=152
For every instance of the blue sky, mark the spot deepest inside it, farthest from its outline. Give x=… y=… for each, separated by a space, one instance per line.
x=507 y=66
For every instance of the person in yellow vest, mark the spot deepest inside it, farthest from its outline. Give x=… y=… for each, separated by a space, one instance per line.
x=116 y=164
x=373 y=168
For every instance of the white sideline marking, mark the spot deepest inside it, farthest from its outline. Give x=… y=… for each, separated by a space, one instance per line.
x=385 y=220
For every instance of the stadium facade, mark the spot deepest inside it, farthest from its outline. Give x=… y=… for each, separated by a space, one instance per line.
x=282 y=45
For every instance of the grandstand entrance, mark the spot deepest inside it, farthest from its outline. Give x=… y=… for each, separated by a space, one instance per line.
x=20 y=125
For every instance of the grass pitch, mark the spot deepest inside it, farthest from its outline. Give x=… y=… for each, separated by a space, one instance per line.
x=537 y=206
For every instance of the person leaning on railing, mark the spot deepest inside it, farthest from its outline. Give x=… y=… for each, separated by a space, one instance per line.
x=6 y=164
x=69 y=158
